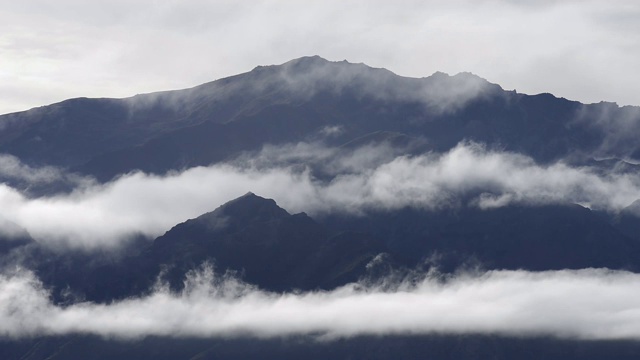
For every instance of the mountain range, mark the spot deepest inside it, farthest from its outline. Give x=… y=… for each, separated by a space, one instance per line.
x=370 y=143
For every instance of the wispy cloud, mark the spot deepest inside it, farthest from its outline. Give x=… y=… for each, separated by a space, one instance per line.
x=12 y=169
x=102 y=215
x=618 y=127
x=584 y=304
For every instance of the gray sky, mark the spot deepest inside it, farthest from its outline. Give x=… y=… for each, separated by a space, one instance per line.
x=50 y=51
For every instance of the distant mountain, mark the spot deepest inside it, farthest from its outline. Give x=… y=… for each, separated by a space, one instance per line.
x=268 y=246
x=294 y=102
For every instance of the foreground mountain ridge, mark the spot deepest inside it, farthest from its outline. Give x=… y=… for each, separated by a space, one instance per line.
x=264 y=245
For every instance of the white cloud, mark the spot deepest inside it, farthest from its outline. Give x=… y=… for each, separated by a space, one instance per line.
x=584 y=304
x=104 y=215
x=11 y=168
x=585 y=50
x=618 y=126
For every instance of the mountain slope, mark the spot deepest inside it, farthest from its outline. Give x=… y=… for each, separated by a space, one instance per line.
x=266 y=246
x=250 y=236
x=535 y=238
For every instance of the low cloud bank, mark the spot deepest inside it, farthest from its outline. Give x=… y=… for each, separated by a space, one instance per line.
x=582 y=304
x=102 y=215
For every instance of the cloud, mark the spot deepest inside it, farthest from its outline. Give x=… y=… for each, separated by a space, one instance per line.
x=13 y=170
x=332 y=130
x=618 y=126
x=116 y=48
x=362 y=179
x=584 y=304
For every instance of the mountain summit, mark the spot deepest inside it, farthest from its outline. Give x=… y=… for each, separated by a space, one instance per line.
x=254 y=237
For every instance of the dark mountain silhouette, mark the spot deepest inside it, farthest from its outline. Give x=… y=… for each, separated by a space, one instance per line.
x=294 y=102
x=268 y=246
x=252 y=236
x=265 y=245
x=279 y=251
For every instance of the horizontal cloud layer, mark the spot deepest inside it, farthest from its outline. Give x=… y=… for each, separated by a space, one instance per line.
x=102 y=215
x=584 y=304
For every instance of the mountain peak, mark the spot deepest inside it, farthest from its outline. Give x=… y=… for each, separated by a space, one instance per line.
x=468 y=75
x=301 y=62
x=231 y=217
x=249 y=199
x=312 y=59
x=247 y=208
x=309 y=63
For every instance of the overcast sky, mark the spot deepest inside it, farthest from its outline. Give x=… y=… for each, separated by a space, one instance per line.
x=50 y=51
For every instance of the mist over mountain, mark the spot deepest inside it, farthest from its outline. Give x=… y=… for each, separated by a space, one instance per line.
x=321 y=206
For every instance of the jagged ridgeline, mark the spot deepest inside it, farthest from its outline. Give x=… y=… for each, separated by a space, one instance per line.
x=301 y=100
